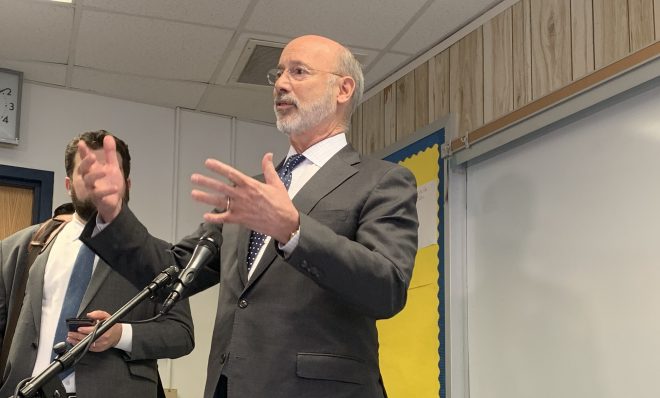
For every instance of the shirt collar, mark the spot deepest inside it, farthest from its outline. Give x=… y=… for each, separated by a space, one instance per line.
x=322 y=151
x=71 y=232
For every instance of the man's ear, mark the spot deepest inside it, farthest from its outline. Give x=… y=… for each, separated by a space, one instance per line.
x=67 y=185
x=128 y=183
x=346 y=88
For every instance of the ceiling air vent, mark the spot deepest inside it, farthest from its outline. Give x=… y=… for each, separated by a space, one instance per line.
x=257 y=58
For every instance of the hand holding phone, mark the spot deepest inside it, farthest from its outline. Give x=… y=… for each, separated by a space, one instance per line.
x=74 y=323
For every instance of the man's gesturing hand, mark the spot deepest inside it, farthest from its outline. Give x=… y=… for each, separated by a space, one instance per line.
x=103 y=177
x=262 y=207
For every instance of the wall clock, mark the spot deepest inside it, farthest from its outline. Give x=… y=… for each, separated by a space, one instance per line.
x=11 y=84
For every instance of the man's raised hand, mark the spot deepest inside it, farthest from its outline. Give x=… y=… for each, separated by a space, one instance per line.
x=103 y=177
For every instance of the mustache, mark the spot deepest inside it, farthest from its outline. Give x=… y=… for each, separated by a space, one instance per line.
x=286 y=98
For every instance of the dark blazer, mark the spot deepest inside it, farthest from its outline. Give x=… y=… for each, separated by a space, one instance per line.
x=304 y=326
x=108 y=374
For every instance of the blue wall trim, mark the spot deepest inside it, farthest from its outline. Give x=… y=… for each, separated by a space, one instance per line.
x=40 y=181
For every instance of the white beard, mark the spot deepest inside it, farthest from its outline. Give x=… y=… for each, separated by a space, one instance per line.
x=305 y=116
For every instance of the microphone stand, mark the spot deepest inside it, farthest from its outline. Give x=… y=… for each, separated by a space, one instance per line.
x=45 y=383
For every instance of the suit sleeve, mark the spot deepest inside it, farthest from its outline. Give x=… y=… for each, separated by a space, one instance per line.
x=4 y=301
x=13 y=256
x=371 y=271
x=128 y=247
x=169 y=337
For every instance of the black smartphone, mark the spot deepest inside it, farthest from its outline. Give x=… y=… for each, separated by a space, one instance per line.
x=74 y=323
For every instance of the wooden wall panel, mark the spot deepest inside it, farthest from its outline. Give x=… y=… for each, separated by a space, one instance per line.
x=466 y=81
x=405 y=105
x=373 y=134
x=439 y=86
x=527 y=52
x=498 y=66
x=422 y=96
x=389 y=115
x=522 y=53
x=656 y=12
x=349 y=133
x=640 y=23
x=582 y=37
x=355 y=135
x=551 y=45
x=611 y=38
x=16 y=209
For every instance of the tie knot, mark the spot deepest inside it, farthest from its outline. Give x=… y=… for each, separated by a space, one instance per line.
x=291 y=163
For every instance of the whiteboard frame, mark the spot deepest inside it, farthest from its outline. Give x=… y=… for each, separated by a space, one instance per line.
x=643 y=76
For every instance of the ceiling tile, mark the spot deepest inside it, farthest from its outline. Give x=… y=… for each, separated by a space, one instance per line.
x=439 y=21
x=384 y=67
x=40 y=31
x=254 y=104
x=42 y=72
x=143 y=46
x=170 y=93
x=346 y=21
x=225 y=13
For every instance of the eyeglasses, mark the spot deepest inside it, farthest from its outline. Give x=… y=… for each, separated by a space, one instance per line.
x=296 y=73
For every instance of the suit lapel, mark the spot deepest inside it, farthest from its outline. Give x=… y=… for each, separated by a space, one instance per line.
x=101 y=272
x=337 y=170
x=264 y=263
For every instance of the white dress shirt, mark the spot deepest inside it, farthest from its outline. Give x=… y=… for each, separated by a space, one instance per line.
x=58 y=270
x=315 y=157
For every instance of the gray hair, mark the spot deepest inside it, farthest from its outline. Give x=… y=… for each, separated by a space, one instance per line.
x=349 y=65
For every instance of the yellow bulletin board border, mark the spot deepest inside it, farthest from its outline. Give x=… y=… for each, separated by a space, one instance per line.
x=430 y=137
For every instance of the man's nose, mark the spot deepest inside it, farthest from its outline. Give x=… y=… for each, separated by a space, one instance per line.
x=283 y=83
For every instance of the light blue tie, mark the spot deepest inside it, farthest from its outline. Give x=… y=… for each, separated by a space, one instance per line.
x=256 y=238
x=80 y=277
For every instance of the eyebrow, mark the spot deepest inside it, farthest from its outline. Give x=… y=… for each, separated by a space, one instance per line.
x=295 y=63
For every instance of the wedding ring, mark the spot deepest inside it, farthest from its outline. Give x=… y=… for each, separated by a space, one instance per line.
x=228 y=204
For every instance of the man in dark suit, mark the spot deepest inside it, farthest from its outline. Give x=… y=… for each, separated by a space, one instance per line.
x=122 y=362
x=312 y=253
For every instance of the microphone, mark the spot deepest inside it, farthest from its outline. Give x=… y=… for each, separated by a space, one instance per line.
x=206 y=249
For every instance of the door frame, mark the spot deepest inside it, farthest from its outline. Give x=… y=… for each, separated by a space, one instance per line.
x=41 y=183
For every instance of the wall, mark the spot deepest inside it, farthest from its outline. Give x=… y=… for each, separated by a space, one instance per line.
x=516 y=59
x=51 y=117
x=521 y=58
x=166 y=147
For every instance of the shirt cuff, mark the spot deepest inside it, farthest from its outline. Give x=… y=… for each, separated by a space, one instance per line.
x=291 y=245
x=125 y=342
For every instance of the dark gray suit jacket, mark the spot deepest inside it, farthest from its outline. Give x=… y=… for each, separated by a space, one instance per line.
x=305 y=326
x=112 y=373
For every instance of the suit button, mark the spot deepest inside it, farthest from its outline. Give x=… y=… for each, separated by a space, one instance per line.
x=242 y=303
x=223 y=358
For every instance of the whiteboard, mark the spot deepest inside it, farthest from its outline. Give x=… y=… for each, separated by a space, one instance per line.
x=562 y=259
